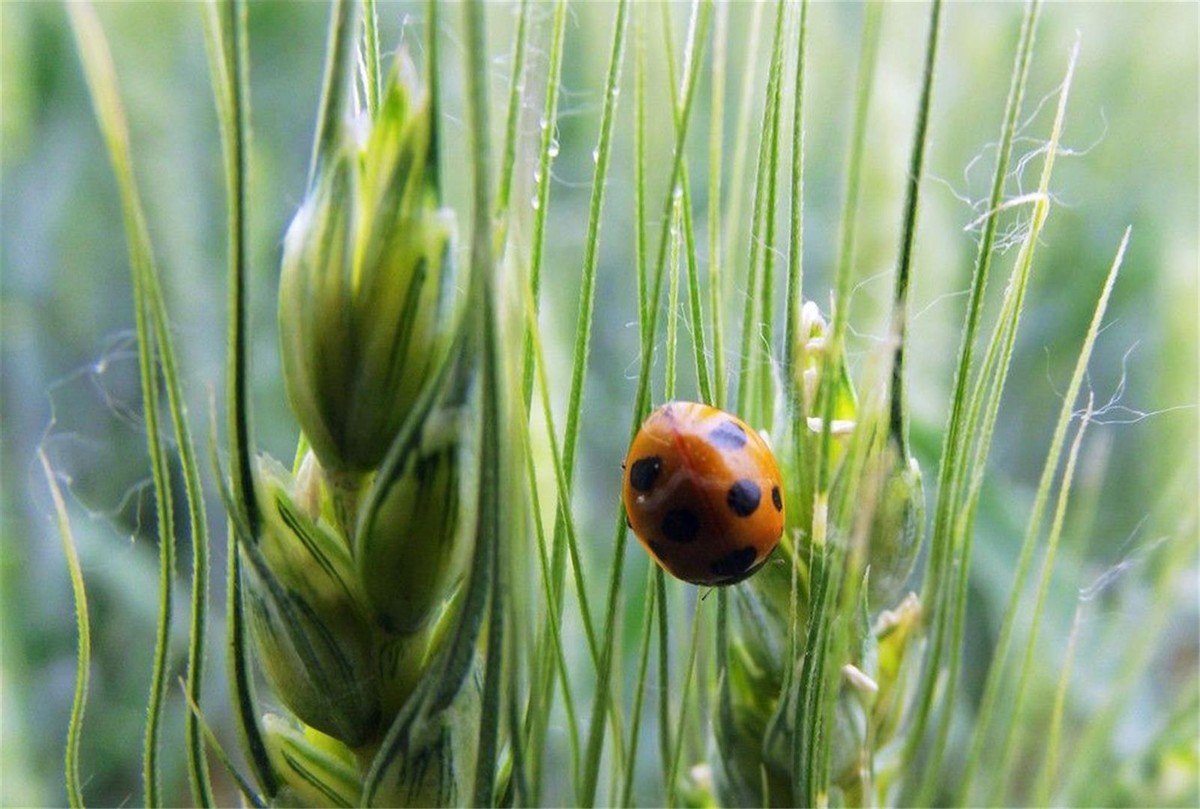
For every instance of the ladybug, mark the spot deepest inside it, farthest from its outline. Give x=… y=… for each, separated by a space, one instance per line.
x=703 y=494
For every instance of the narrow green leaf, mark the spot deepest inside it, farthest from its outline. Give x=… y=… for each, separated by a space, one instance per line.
x=339 y=51
x=226 y=39
x=369 y=56
x=938 y=566
x=516 y=86
x=102 y=85
x=641 y=405
x=982 y=412
x=84 y=653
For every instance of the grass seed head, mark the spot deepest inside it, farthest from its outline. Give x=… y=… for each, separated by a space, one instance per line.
x=368 y=303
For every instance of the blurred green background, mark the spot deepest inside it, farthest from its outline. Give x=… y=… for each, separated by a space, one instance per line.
x=69 y=368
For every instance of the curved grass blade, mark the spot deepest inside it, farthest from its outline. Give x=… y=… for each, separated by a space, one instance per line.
x=226 y=36
x=641 y=405
x=981 y=419
x=584 y=327
x=84 y=659
x=1064 y=490
x=246 y=788
x=495 y=451
x=1029 y=543
x=939 y=570
x=102 y=85
x=898 y=410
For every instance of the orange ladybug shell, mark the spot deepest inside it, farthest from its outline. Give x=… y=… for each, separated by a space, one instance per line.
x=703 y=494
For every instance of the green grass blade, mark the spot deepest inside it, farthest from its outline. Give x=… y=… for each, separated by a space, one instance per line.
x=84 y=659
x=898 y=411
x=493 y=534
x=371 y=79
x=246 y=788
x=688 y=677
x=649 y=612
x=981 y=419
x=516 y=84
x=639 y=176
x=339 y=51
x=794 y=291
x=226 y=37
x=991 y=691
x=1049 y=769
x=542 y=708
x=102 y=84
x=583 y=334
x=563 y=533
x=716 y=151
x=1015 y=711
x=938 y=568
x=641 y=405
x=684 y=209
x=832 y=360
x=733 y=250
x=546 y=153
x=754 y=320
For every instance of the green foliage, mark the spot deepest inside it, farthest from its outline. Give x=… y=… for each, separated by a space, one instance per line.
x=437 y=603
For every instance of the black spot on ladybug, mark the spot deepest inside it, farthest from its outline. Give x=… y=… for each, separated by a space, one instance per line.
x=729 y=435
x=656 y=549
x=743 y=497
x=734 y=564
x=776 y=498
x=680 y=525
x=644 y=472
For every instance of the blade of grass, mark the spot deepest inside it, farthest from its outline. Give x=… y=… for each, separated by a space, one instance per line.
x=794 y=290
x=102 y=85
x=1049 y=768
x=83 y=660
x=226 y=38
x=811 y=749
x=370 y=57
x=339 y=51
x=898 y=410
x=244 y=786
x=635 y=721
x=716 y=151
x=827 y=389
x=641 y=405
x=546 y=154
x=583 y=332
x=516 y=91
x=731 y=263
x=992 y=376
x=699 y=344
x=688 y=675
x=1029 y=543
x=754 y=320
x=1064 y=491
x=493 y=532
x=939 y=571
